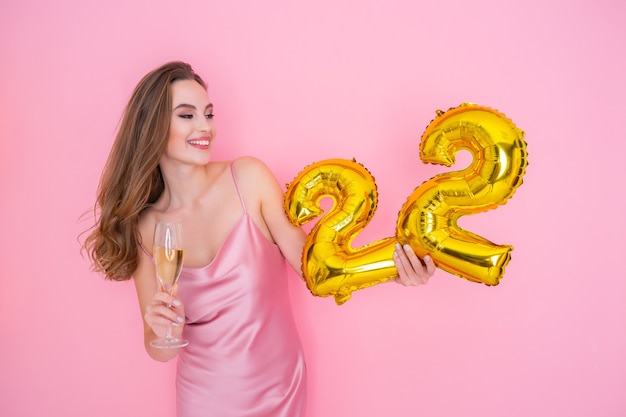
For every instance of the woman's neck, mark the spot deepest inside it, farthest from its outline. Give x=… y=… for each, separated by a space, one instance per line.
x=184 y=185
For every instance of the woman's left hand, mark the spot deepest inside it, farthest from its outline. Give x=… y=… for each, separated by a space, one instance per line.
x=412 y=271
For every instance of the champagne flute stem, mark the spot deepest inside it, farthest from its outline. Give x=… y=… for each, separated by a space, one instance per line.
x=168 y=334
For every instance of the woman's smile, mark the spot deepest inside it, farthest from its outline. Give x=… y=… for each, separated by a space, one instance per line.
x=201 y=142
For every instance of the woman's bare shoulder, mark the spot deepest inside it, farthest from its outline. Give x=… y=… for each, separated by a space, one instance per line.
x=249 y=162
x=250 y=169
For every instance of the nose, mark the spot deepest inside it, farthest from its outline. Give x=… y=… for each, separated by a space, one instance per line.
x=204 y=124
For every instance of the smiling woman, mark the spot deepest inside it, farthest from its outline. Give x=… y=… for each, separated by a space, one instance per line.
x=231 y=302
x=132 y=179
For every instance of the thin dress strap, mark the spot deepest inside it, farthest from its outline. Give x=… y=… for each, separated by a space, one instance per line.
x=232 y=171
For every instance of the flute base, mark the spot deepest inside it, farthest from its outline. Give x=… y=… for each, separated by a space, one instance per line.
x=169 y=343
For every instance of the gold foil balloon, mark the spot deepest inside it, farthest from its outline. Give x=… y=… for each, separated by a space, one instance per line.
x=330 y=265
x=428 y=219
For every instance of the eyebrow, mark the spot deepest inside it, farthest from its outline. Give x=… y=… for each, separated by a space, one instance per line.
x=190 y=106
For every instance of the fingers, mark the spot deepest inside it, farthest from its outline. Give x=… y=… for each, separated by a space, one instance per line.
x=167 y=299
x=164 y=310
x=412 y=270
x=430 y=266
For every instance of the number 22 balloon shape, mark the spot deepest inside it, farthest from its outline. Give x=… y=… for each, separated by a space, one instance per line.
x=427 y=220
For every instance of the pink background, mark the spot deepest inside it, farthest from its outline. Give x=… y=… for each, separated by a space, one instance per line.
x=294 y=83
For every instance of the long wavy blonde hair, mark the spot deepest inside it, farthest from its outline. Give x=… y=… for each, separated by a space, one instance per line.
x=132 y=180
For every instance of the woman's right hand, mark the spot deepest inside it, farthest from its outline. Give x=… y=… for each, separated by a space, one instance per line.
x=165 y=310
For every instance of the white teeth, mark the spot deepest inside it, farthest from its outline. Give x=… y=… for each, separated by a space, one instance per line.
x=199 y=142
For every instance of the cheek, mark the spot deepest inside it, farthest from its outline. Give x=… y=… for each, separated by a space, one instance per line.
x=177 y=131
x=213 y=128
x=174 y=140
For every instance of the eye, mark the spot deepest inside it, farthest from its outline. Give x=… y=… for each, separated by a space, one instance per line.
x=186 y=116
x=209 y=116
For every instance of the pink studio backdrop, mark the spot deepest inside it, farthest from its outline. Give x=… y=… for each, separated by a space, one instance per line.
x=294 y=83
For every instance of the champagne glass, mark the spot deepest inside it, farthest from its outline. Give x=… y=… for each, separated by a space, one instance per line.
x=168 y=261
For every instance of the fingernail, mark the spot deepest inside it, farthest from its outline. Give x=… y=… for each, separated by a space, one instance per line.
x=395 y=254
x=176 y=303
x=179 y=319
x=407 y=247
x=398 y=246
x=427 y=258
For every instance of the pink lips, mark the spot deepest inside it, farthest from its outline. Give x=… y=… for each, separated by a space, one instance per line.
x=200 y=143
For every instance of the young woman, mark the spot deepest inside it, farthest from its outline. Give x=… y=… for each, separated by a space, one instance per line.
x=244 y=356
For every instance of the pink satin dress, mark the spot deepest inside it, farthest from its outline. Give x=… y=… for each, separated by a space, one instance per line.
x=244 y=356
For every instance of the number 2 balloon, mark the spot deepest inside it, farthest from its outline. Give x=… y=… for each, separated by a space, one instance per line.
x=428 y=219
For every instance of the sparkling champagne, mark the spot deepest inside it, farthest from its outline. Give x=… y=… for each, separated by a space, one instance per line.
x=168 y=264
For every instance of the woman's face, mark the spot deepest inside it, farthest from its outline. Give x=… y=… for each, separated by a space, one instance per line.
x=192 y=128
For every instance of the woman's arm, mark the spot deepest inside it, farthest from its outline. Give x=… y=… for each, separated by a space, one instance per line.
x=290 y=239
x=269 y=195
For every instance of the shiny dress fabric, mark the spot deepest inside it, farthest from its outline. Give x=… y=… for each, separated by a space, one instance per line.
x=244 y=356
